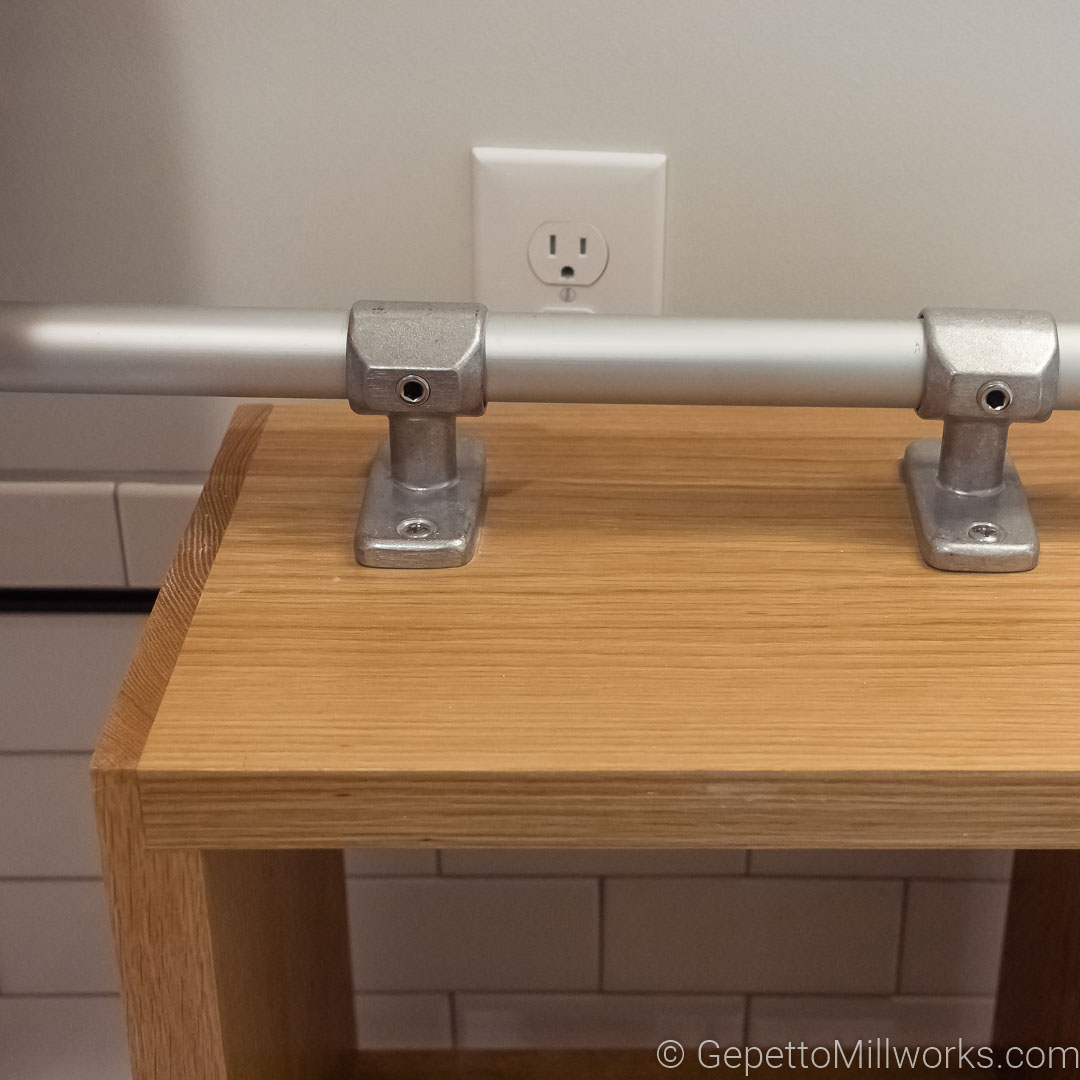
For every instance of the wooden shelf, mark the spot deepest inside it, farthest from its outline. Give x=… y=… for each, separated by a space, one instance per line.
x=688 y=627
x=683 y=628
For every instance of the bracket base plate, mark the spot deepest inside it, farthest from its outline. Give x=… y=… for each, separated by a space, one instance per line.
x=991 y=533
x=408 y=529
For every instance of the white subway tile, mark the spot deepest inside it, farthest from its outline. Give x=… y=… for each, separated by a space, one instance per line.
x=952 y=937
x=59 y=533
x=748 y=935
x=152 y=520
x=403 y=1022
x=379 y=863
x=624 y=862
x=967 y=864
x=111 y=433
x=59 y=675
x=57 y=1038
x=468 y=934
x=907 y=1021
x=47 y=816
x=55 y=938
x=595 y=1021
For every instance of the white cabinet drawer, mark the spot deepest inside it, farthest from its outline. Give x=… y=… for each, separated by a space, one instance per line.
x=59 y=534
x=59 y=675
x=152 y=520
x=47 y=817
x=111 y=434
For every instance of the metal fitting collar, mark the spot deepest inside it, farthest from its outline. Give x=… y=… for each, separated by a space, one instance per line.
x=989 y=365
x=416 y=358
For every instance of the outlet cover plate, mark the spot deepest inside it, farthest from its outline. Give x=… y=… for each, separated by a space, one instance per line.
x=622 y=195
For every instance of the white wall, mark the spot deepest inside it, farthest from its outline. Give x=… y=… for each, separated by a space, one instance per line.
x=844 y=157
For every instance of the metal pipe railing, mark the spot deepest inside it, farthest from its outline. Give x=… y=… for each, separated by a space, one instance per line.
x=677 y=361
x=122 y=349
x=250 y=352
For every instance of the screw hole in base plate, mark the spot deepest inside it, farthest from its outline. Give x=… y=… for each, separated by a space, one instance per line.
x=416 y=529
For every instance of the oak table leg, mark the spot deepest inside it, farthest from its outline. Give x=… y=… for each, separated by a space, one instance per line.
x=1039 y=988
x=234 y=965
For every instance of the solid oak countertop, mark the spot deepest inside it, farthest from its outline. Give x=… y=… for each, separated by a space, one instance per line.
x=683 y=627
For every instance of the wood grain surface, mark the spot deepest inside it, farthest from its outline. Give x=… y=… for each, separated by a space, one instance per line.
x=1038 y=1002
x=233 y=966
x=683 y=627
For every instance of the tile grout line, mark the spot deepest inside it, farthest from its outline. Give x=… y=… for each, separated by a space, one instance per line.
x=47 y=753
x=120 y=533
x=601 y=901
x=818 y=995
x=60 y=879
x=392 y=877
x=61 y=995
x=901 y=936
x=682 y=875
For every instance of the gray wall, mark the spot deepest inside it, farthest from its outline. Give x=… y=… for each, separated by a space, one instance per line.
x=841 y=158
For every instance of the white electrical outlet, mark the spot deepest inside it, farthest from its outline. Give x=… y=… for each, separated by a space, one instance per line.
x=568 y=253
x=568 y=230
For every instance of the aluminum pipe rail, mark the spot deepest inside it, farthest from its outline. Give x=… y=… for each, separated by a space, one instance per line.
x=676 y=361
x=666 y=360
x=231 y=352
x=542 y=358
